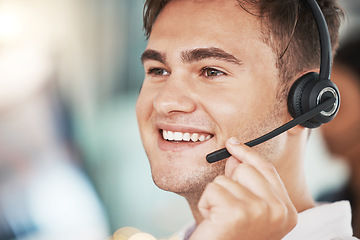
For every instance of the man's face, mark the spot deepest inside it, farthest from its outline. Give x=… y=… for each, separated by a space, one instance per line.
x=208 y=77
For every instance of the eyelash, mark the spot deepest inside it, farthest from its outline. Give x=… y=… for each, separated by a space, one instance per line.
x=155 y=72
x=204 y=72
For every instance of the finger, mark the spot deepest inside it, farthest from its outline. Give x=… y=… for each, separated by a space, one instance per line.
x=248 y=177
x=231 y=165
x=218 y=201
x=230 y=200
x=252 y=179
x=239 y=191
x=247 y=155
x=251 y=188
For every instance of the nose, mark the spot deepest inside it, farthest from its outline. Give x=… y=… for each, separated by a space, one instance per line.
x=175 y=96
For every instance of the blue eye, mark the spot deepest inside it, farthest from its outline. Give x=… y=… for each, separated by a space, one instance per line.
x=157 y=72
x=211 y=72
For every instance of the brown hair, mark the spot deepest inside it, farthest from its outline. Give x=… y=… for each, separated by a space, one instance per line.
x=287 y=26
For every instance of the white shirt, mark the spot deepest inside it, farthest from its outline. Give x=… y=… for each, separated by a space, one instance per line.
x=330 y=221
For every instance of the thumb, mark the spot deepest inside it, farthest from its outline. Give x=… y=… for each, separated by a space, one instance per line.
x=233 y=162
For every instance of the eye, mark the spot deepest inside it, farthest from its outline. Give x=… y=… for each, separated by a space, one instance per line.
x=212 y=72
x=157 y=72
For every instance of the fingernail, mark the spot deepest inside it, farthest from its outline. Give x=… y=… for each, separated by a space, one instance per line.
x=234 y=141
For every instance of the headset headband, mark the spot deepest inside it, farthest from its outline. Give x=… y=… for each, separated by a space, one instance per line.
x=325 y=40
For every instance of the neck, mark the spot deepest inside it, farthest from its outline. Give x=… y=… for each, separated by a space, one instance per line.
x=291 y=171
x=299 y=193
x=193 y=200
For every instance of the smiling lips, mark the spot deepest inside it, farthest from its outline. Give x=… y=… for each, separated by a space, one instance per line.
x=186 y=137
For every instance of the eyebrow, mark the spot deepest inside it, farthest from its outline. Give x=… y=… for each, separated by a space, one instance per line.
x=199 y=54
x=153 y=55
x=193 y=55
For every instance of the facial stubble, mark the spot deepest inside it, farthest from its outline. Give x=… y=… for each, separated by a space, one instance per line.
x=192 y=182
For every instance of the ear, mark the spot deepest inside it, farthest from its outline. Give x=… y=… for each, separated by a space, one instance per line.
x=306 y=93
x=316 y=70
x=299 y=129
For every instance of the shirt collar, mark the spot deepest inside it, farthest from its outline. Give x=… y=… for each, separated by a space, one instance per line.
x=325 y=221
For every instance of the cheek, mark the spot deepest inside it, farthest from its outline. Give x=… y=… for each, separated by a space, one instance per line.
x=228 y=113
x=144 y=108
x=246 y=111
x=230 y=110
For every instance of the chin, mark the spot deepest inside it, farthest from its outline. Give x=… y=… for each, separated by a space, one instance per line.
x=184 y=179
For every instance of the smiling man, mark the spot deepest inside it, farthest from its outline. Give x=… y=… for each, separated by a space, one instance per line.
x=217 y=74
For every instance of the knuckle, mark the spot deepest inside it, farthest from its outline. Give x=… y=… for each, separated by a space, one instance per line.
x=239 y=172
x=293 y=217
x=284 y=215
x=260 y=209
x=239 y=213
x=256 y=209
x=241 y=168
x=212 y=186
x=268 y=167
x=279 y=213
x=263 y=206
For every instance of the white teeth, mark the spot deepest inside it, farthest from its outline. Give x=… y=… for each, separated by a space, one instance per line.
x=179 y=136
x=186 y=137
x=170 y=135
x=194 y=137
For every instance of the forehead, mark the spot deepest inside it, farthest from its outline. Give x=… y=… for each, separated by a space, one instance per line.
x=212 y=20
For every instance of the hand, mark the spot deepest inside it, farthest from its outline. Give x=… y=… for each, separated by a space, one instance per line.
x=250 y=202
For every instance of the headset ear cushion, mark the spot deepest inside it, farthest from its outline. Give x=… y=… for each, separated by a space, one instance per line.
x=296 y=101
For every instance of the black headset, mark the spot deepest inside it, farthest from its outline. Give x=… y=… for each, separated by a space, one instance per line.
x=313 y=98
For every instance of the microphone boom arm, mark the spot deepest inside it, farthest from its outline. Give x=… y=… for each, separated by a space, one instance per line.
x=223 y=153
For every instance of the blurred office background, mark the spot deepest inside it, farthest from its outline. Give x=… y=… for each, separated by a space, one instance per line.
x=71 y=160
